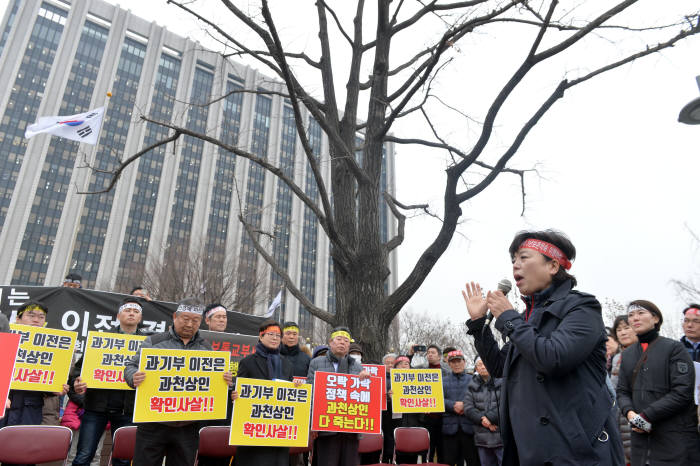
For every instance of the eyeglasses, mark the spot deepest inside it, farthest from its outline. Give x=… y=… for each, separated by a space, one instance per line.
x=272 y=335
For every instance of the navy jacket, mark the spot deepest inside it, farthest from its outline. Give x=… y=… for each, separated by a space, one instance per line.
x=555 y=406
x=454 y=388
x=298 y=359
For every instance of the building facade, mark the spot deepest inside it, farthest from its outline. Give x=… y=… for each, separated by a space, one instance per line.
x=61 y=57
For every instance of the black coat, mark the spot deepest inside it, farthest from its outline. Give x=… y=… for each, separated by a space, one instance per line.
x=483 y=399
x=663 y=393
x=555 y=405
x=299 y=360
x=254 y=366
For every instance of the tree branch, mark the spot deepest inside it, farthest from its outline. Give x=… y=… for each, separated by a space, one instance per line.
x=337 y=22
x=117 y=172
x=296 y=292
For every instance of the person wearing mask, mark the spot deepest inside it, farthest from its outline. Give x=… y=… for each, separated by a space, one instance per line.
x=556 y=406
x=481 y=408
x=336 y=448
x=176 y=440
x=103 y=406
x=626 y=337
x=267 y=364
x=25 y=407
x=655 y=391
x=216 y=317
x=291 y=350
x=457 y=430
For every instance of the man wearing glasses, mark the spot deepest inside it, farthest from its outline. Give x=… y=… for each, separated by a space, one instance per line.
x=176 y=440
x=25 y=406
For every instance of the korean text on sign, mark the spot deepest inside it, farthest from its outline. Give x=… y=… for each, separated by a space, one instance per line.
x=181 y=386
x=237 y=345
x=417 y=391
x=105 y=357
x=269 y=413
x=43 y=358
x=344 y=403
x=378 y=370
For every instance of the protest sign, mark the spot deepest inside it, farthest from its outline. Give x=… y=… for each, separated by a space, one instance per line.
x=181 y=386
x=43 y=358
x=105 y=356
x=417 y=391
x=344 y=403
x=378 y=370
x=238 y=345
x=9 y=342
x=270 y=413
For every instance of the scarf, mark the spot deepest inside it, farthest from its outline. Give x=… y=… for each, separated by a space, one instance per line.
x=646 y=338
x=343 y=362
x=274 y=362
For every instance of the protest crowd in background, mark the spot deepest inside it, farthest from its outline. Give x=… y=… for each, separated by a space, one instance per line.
x=562 y=389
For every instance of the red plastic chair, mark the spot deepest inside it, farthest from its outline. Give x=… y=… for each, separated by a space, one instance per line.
x=34 y=444
x=213 y=443
x=372 y=443
x=413 y=440
x=124 y=444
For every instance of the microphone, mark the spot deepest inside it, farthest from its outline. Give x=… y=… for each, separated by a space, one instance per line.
x=504 y=286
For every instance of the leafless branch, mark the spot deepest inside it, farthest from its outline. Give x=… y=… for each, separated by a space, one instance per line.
x=116 y=173
x=337 y=21
x=289 y=284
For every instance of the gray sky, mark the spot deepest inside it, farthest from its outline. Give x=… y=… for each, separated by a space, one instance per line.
x=617 y=172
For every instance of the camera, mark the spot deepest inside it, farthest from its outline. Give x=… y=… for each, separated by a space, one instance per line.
x=419 y=348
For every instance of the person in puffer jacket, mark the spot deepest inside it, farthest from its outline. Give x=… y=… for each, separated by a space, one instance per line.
x=481 y=406
x=457 y=430
x=626 y=337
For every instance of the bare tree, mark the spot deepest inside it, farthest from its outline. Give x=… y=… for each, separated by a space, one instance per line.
x=183 y=272
x=369 y=105
x=425 y=329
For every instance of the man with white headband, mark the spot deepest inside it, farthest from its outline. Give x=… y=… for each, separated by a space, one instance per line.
x=104 y=406
x=176 y=440
x=215 y=315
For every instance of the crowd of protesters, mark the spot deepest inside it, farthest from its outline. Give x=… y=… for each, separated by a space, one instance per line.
x=562 y=390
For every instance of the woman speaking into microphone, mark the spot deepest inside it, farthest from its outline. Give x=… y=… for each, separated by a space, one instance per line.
x=555 y=408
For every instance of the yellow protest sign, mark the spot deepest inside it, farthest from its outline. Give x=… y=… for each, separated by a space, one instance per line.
x=417 y=391
x=181 y=386
x=105 y=356
x=268 y=413
x=43 y=358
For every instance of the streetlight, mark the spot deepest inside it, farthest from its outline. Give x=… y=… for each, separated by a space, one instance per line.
x=690 y=114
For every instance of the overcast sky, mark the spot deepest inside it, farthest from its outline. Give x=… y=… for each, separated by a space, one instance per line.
x=617 y=172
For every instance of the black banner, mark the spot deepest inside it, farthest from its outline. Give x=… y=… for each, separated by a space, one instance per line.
x=238 y=345
x=82 y=310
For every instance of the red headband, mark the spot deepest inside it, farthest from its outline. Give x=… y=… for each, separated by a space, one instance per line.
x=271 y=327
x=692 y=310
x=399 y=359
x=547 y=249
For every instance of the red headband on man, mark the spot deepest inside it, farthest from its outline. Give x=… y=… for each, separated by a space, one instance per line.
x=547 y=249
x=692 y=310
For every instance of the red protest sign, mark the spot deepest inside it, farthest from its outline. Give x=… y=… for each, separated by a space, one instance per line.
x=9 y=342
x=344 y=403
x=378 y=370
